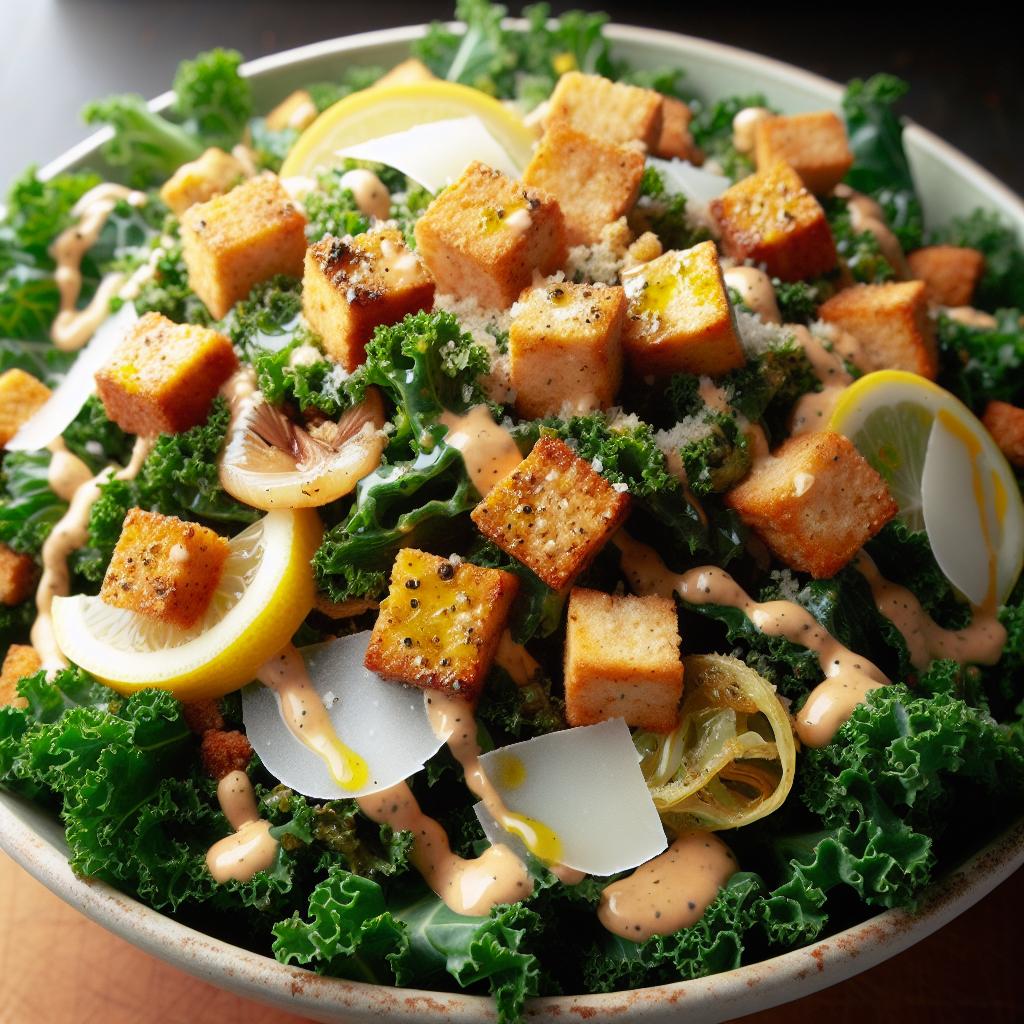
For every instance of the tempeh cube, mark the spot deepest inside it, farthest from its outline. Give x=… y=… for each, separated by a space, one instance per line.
x=21 y=397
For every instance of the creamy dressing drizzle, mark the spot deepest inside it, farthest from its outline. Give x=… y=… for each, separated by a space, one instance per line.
x=756 y=291
x=489 y=450
x=867 y=215
x=251 y=847
x=971 y=317
x=813 y=410
x=369 y=192
x=66 y=472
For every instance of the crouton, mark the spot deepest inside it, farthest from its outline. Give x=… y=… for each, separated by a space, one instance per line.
x=950 y=273
x=236 y=240
x=296 y=111
x=679 y=319
x=565 y=347
x=884 y=326
x=17 y=576
x=224 y=752
x=674 y=139
x=815 y=502
x=409 y=72
x=771 y=218
x=351 y=286
x=21 y=397
x=611 y=111
x=484 y=237
x=814 y=145
x=20 y=662
x=202 y=715
x=198 y=181
x=553 y=513
x=638 y=677
x=441 y=623
x=1005 y=423
x=164 y=568
x=595 y=182
x=164 y=376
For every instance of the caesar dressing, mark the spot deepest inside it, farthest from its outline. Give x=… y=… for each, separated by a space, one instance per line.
x=66 y=472
x=251 y=847
x=744 y=124
x=370 y=193
x=867 y=215
x=488 y=449
x=755 y=290
x=813 y=410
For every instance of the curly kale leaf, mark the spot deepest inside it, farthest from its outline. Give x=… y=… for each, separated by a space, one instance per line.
x=319 y=383
x=332 y=210
x=512 y=712
x=96 y=440
x=168 y=291
x=15 y=622
x=798 y=300
x=37 y=211
x=719 y=460
x=980 y=364
x=859 y=250
x=267 y=319
x=664 y=212
x=711 y=128
x=29 y=510
x=212 y=100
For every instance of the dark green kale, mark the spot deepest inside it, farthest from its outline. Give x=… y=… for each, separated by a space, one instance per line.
x=168 y=291
x=711 y=128
x=799 y=300
x=664 y=213
x=29 y=510
x=15 y=622
x=979 y=363
x=353 y=79
x=859 y=250
x=318 y=384
x=407 y=207
x=718 y=460
x=96 y=440
x=512 y=711
x=211 y=99
x=332 y=210
x=267 y=319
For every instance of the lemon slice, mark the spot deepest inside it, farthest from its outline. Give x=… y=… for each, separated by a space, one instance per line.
x=373 y=113
x=265 y=592
x=946 y=474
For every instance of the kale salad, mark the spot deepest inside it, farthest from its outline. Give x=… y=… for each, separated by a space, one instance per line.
x=509 y=522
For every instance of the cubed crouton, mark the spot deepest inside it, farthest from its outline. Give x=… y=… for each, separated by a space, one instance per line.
x=884 y=326
x=814 y=145
x=484 y=237
x=639 y=676
x=21 y=396
x=236 y=240
x=565 y=347
x=1005 y=423
x=17 y=576
x=612 y=111
x=679 y=319
x=20 y=662
x=202 y=715
x=441 y=623
x=224 y=752
x=595 y=182
x=351 y=286
x=296 y=111
x=771 y=218
x=950 y=273
x=198 y=181
x=553 y=512
x=815 y=502
x=675 y=139
x=164 y=376
x=164 y=568
x=409 y=72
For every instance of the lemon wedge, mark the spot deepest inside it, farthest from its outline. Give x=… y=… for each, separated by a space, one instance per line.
x=945 y=472
x=265 y=592
x=373 y=113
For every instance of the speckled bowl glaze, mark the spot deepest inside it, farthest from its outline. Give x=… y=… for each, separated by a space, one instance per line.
x=950 y=184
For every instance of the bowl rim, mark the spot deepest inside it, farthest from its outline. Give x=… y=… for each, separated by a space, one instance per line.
x=752 y=987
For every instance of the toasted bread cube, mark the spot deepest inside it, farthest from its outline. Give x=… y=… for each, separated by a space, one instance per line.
x=198 y=181
x=223 y=752
x=815 y=502
x=350 y=286
x=675 y=139
x=409 y=72
x=21 y=397
x=814 y=145
x=164 y=376
x=484 y=237
x=889 y=324
x=17 y=576
x=1005 y=423
x=20 y=662
x=236 y=240
x=679 y=319
x=611 y=111
x=638 y=676
x=441 y=623
x=565 y=347
x=595 y=182
x=164 y=568
x=296 y=111
x=553 y=512
x=771 y=218
x=950 y=273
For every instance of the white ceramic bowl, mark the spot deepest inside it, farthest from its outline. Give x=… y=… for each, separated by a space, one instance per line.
x=950 y=184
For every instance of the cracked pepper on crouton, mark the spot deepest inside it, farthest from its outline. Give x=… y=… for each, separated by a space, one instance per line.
x=611 y=111
x=19 y=662
x=814 y=145
x=21 y=397
x=950 y=273
x=1005 y=423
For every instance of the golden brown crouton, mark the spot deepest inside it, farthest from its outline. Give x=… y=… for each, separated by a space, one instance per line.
x=622 y=660
x=21 y=396
x=440 y=625
x=202 y=715
x=595 y=182
x=296 y=111
x=675 y=140
x=164 y=568
x=164 y=376
x=888 y=324
x=409 y=72
x=236 y=240
x=950 y=273
x=553 y=512
x=611 y=111
x=815 y=502
x=679 y=319
x=565 y=346
x=20 y=662
x=771 y=218
x=484 y=236
x=814 y=145
x=350 y=287
x=224 y=752
x=17 y=576
x=213 y=174
x=1005 y=423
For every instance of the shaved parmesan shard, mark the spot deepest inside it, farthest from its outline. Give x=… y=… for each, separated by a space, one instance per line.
x=436 y=153
x=584 y=784
x=54 y=417
x=384 y=723
x=693 y=182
